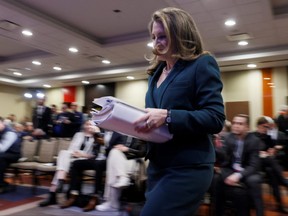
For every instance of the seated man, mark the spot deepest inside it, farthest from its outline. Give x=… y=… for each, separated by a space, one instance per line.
x=269 y=164
x=10 y=151
x=81 y=147
x=239 y=169
x=119 y=167
x=105 y=144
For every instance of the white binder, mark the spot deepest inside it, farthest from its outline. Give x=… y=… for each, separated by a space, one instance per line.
x=119 y=116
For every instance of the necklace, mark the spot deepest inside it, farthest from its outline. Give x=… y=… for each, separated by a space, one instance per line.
x=165 y=71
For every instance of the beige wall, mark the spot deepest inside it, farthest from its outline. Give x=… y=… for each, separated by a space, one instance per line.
x=132 y=92
x=13 y=102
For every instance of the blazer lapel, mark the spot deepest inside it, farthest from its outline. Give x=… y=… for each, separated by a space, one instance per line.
x=174 y=72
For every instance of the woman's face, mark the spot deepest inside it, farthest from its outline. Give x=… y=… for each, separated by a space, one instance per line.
x=160 y=40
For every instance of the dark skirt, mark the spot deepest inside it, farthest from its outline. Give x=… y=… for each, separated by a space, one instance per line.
x=176 y=191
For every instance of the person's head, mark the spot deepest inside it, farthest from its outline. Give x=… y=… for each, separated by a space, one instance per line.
x=64 y=107
x=240 y=125
x=29 y=126
x=12 y=117
x=54 y=108
x=89 y=127
x=73 y=106
x=41 y=101
x=18 y=127
x=174 y=35
x=2 y=125
x=262 y=125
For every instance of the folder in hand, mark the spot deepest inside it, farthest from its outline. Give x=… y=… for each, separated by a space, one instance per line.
x=119 y=116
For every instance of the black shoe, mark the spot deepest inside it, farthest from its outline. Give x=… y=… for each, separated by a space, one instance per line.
x=60 y=185
x=51 y=200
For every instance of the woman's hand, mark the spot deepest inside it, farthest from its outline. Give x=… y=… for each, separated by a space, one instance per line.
x=154 y=118
x=121 y=147
x=78 y=154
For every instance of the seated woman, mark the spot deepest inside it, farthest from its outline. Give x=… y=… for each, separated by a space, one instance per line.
x=81 y=147
x=119 y=167
x=105 y=144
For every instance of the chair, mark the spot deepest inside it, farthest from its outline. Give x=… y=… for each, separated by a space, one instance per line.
x=27 y=161
x=45 y=161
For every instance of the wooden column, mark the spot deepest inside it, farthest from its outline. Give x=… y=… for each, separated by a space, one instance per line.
x=267 y=93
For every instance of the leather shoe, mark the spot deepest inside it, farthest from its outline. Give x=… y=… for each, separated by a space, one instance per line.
x=91 y=205
x=70 y=202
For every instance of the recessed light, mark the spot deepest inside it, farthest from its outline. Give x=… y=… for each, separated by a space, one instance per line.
x=251 y=65
x=73 y=49
x=130 y=77
x=106 y=62
x=36 y=62
x=85 y=82
x=40 y=95
x=17 y=73
x=57 y=68
x=28 y=95
x=266 y=78
x=242 y=43
x=230 y=22
x=150 y=44
x=47 y=86
x=27 y=68
x=27 y=32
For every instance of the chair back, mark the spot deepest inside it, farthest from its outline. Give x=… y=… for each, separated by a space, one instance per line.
x=29 y=149
x=63 y=144
x=47 y=150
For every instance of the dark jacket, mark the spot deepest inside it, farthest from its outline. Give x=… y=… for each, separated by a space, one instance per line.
x=43 y=121
x=137 y=149
x=250 y=155
x=192 y=91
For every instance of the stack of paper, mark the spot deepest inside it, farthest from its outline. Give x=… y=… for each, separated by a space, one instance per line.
x=118 y=116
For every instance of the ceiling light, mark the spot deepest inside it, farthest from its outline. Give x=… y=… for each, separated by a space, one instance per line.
x=47 y=86
x=27 y=68
x=85 y=82
x=242 y=43
x=150 y=44
x=106 y=62
x=17 y=73
x=57 y=68
x=28 y=95
x=230 y=22
x=266 y=78
x=27 y=33
x=40 y=95
x=36 y=62
x=251 y=65
x=73 y=49
x=130 y=77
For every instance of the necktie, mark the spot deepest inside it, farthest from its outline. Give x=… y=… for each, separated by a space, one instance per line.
x=86 y=139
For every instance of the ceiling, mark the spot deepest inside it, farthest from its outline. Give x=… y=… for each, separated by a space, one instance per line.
x=116 y=30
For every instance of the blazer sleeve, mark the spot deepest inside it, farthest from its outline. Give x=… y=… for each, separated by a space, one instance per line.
x=76 y=141
x=207 y=115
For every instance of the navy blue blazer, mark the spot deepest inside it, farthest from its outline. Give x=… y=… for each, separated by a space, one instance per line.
x=192 y=91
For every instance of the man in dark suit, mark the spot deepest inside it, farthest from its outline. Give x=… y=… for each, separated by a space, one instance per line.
x=269 y=164
x=41 y=117
x=239 y=169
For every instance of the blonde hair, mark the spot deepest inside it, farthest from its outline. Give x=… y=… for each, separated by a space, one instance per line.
x=181 y=32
